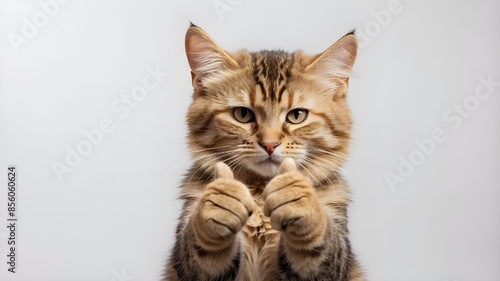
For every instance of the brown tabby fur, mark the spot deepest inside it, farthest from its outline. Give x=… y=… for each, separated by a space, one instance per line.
x=264 y=200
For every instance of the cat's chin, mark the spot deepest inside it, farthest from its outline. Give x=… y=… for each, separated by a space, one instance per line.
x=267 y=168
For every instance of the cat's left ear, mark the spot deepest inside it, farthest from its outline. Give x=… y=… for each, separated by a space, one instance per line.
x=204 y=55
x=337 y=61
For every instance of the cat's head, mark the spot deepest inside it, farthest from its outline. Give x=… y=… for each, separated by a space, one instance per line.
x=252 y=110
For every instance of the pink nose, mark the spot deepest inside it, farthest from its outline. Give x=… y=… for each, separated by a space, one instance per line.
x=269 y=146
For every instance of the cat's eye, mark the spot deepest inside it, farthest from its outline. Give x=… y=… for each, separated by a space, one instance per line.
x=243 y=115
x=297 y=116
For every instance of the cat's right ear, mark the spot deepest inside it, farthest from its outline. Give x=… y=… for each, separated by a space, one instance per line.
x=204 y=55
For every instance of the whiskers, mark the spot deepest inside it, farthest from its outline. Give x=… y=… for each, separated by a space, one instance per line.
x=232 y=155
x=321 y=167
x=343 y=158
x=314 y=170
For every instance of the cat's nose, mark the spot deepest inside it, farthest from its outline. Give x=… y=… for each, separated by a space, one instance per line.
x=269 y=146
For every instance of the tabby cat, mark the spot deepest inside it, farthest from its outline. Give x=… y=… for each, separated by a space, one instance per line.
x=269 y=132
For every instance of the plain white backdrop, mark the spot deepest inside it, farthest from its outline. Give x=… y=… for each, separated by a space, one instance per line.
x=68 y=69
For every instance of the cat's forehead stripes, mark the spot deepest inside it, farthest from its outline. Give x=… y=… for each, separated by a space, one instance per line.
x=271 y=71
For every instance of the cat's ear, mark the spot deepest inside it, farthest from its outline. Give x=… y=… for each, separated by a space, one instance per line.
x=204 y=55
x=336 y=62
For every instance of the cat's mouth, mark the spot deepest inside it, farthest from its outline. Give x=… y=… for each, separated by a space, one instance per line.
x=272 y=159
x=267 y=166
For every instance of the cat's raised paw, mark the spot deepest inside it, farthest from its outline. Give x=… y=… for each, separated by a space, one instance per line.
x=291 y=201
x=224 y=207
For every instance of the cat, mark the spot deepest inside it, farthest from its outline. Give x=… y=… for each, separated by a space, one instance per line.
x=268 y=132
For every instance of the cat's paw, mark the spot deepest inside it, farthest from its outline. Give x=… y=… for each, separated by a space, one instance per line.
x=291 y=202
x=224 y=207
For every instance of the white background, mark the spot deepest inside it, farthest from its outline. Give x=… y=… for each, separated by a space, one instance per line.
x=113 y=216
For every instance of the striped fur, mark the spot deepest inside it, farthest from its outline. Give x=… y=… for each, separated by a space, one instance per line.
x=265 y=199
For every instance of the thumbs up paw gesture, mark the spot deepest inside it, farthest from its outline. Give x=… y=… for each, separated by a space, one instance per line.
x=292 y=204
x=223 y=208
